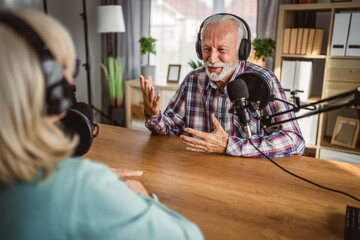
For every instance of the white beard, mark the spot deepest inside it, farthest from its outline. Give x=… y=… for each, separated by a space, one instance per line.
x=227 y=68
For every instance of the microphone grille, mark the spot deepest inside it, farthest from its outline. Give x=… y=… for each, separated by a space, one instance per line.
x=237 y=89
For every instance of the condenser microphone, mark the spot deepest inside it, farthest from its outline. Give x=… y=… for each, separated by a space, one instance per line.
x=79 y=120
x=239 y=95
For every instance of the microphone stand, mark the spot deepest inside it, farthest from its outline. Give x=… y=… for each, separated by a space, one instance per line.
x=86 y=66
x=355 y=102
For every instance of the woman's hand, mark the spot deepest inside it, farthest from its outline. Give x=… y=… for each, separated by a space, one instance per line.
x=126 y=173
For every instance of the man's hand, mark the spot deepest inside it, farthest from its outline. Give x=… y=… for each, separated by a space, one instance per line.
x=151 y=102
x=215 y=142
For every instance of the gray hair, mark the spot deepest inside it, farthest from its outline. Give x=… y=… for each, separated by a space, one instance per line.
x=241 y=29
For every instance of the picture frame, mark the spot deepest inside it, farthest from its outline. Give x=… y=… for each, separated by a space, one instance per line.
x=173 y=75
x=346 y=132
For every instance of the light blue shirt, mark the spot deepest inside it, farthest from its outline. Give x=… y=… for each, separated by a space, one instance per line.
x=85 y=200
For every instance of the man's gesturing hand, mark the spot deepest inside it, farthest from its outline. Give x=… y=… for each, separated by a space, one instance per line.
x=151 y=102
x=210 y=142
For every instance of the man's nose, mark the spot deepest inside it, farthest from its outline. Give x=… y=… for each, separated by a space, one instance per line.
x=214 y=56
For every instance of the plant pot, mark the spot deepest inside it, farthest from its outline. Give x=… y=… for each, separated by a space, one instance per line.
x=117 y=115
x=148 y=70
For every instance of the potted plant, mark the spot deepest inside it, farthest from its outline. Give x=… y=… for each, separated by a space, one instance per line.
x=147 y=45
x=114 y=75
x=195 y=64
x=262 y=49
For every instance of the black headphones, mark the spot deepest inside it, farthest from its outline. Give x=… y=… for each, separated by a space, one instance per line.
x=60 y=95
x=245 y=44
x=58 y=90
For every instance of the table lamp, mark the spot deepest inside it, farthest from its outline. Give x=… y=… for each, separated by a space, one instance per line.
x=110 y=20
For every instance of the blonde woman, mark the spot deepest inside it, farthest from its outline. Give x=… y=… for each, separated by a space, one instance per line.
x=44 y=193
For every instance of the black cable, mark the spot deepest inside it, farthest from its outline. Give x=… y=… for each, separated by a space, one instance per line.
x=304 y=179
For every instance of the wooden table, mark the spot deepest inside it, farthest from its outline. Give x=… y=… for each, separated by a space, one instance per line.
x=233 y=197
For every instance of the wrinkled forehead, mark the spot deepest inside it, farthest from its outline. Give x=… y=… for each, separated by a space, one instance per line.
x=221 y=33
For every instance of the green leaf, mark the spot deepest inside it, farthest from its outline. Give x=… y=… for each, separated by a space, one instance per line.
x=147 y=45
x=263 y=48
x=195 y=65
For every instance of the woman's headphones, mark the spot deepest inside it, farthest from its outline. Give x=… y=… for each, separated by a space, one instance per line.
x=245 y=44
x=60 y=95
x=58 y=91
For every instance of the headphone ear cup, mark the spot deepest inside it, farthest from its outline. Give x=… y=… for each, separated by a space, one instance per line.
x=75 y=122
x=244 y=49
x=198 y=49
x=58 y=90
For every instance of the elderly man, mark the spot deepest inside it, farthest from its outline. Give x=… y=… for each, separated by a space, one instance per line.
x=199 y=110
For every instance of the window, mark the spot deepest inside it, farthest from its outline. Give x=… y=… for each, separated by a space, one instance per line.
x=175 y=25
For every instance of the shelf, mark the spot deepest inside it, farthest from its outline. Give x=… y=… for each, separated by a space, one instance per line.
x=326 y=144
x=319 y=6
x=331 y=74
x=303 y=56
x=344 y=57
x=311 y=146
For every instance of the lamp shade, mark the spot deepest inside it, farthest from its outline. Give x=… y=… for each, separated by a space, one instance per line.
x=110 y=19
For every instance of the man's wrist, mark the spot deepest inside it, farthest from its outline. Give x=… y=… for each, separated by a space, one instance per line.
x=151 y=116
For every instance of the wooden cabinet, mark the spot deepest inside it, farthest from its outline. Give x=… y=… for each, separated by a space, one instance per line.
x=332 y=74
x=134 y=102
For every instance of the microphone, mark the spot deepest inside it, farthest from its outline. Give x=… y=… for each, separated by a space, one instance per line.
x=239 y=95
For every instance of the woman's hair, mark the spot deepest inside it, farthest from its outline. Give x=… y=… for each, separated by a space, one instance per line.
x=30 y=141
x=241 y=30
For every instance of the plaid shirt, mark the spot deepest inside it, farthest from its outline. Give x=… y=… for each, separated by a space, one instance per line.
x=197 y=97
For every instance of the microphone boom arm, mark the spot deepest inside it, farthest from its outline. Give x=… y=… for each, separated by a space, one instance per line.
x=266 y=120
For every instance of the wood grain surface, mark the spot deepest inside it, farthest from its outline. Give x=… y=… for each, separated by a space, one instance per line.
x=233 y=197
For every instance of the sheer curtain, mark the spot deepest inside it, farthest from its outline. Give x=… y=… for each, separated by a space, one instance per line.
x=175 y=25
x=137 y=18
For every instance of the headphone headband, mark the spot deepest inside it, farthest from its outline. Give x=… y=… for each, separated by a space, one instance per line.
x=245 y=43
x=58 y=91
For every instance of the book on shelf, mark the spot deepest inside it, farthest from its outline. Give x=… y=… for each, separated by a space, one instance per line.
x=310 y=41
x=304 y=40
x=340 y=33
x=303 y=79
x=293 y=40
x=287 y=77
x=353 y=43
x=296 y=75
x=299 y=40
x=286 y=40
x=318 y=39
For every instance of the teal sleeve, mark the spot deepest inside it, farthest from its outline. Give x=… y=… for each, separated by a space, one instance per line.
x=106 y=208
